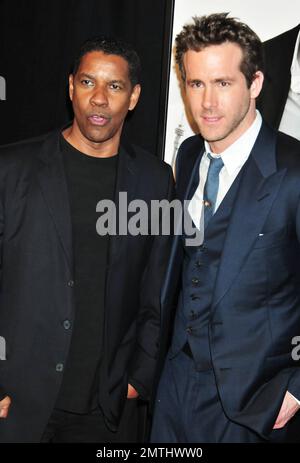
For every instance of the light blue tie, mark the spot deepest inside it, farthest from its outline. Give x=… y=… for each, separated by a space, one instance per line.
x=211 y=187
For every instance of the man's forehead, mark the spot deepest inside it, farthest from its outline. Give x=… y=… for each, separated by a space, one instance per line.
x=214 y=57
x=97 y=61
x=223 y=48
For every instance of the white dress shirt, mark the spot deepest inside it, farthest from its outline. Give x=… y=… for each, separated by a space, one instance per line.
x=233 y=158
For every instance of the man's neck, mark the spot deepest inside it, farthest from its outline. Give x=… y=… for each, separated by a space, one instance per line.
x=104 y=149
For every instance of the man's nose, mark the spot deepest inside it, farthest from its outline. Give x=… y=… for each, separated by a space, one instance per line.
x=99 y=97
x=209 y=98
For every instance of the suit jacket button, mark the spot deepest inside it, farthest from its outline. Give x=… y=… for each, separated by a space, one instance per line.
x=67 y=324
x=71 y=283
x=189 y=330
x=59 y=367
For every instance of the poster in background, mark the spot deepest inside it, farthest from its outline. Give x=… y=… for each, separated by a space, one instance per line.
x=268 y=18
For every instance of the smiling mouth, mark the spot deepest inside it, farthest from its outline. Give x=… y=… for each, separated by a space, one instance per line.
x=99 y=120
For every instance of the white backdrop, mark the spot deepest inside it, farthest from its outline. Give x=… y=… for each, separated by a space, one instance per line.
x=267 y=18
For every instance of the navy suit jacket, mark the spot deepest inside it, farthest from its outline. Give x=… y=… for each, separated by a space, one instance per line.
x=36 y=294
x=255 y=311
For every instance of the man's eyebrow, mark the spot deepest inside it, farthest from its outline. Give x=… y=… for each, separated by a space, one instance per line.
x=84 y=74
x=218 y=79
x=117 y=81
x=190 y=81
x=224 y=78
x=91 y=76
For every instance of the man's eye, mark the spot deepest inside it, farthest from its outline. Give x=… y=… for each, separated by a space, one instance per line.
x=115 y=86
x=196 y=84
x=223 y=83
x=87 y=82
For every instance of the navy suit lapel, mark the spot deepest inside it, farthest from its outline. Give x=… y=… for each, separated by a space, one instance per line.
x=188 y=179
x=187 y=168
x=257 y=191
x=52 y=180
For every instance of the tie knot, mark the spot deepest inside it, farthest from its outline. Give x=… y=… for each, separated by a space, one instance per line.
x=215 y=163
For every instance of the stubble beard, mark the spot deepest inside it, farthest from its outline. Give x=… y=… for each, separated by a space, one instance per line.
x=227 y=132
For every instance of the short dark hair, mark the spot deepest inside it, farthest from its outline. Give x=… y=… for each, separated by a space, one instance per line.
x=111 y=46
x=216 y=29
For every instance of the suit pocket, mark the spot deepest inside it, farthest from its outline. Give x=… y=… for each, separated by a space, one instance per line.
x=271 y=239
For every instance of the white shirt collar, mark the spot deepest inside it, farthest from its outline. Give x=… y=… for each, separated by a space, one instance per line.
x=295 y=68
x=236 y=155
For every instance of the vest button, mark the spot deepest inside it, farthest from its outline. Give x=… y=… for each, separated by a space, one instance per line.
x=198 y=263
x=71 y=283
x=195 y=281
x=189 y=330
x=207 y=203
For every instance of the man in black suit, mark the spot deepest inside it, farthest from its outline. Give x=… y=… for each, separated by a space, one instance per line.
x=79 y=310
x=231 y=373
x=279 y=100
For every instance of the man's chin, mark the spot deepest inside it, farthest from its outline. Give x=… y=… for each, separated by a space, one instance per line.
x=211 y=138
x=98 y=138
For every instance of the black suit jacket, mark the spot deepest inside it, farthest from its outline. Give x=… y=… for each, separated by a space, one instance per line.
x=255 y=312
x=278 y=53
x=37 y=274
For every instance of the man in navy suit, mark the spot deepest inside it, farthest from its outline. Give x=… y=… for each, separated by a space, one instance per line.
x=232 y=373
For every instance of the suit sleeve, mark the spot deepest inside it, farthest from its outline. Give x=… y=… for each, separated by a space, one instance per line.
x=3 y=393
x=143 y=364
x=294 y=382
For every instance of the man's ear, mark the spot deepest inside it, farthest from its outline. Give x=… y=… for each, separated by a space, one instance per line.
x=257 y=84
x=134 y=97
x=71 y=86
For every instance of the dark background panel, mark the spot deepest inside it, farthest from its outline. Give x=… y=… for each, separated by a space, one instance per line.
x=38 y=41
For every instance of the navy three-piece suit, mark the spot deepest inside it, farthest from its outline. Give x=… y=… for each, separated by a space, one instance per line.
x=237 y=300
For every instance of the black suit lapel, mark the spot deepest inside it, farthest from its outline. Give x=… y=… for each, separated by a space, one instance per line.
x=278 y=60
x=51 y=177
x=126 y=181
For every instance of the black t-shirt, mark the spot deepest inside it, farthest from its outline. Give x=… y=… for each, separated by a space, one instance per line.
x=89 y=180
